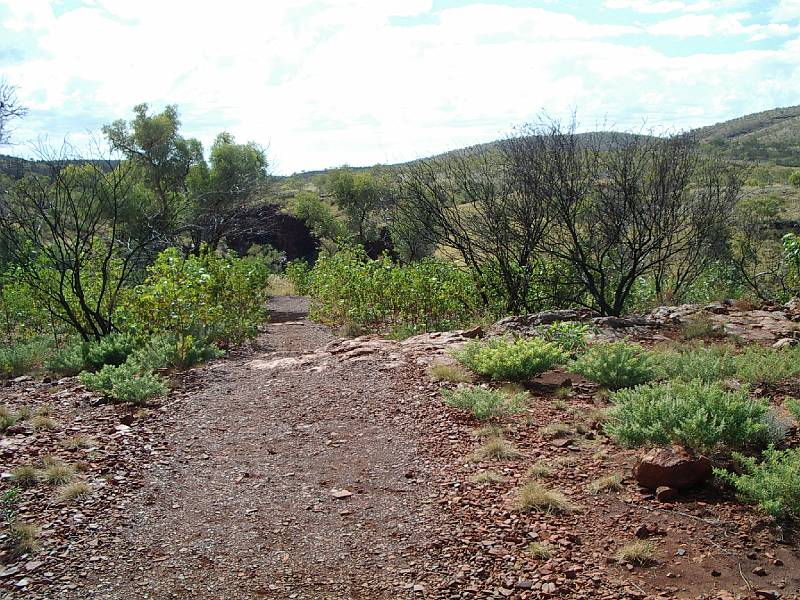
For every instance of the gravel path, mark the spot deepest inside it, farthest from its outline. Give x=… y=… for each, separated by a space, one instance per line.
x=280 y=485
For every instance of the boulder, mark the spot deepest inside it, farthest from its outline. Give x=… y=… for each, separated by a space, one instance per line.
x=671 y=467
x=785 y=343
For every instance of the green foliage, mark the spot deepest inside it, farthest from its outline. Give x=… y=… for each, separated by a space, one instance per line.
x=22 y=357
x=615 y=365
x=319 y=216
x=570 y=335
x=427 y=295
x=113 y=349
x=69 y=360
x=214 y=297
x=794 y=178
x=362 y=196
x=173 y=352
x=125 y=383
x=793 y=406
x=760 y=366
x=486 y=404
x=704 y=363
x=21 y=316
x=299 y=273
x=511 y=360
x=791 y=250
x=699 y=416
x=773 y=484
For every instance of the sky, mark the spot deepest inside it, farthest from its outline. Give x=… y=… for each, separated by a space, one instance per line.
x=323 y=83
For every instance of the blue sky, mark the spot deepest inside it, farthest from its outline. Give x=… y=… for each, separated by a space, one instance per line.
x=329 y=82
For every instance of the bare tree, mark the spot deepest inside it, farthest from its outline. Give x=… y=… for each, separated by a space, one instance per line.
x=623 y=206
x=63 y=231
x=10 y=109
x=469 y=202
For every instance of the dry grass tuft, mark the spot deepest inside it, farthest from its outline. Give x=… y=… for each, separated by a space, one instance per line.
x=446 y=372
x=278 y=285
x=23 y=538
x=637 y=553
x=539 y=550
x=43 y=410
x=24 y=475
x=556 y=430
x=492 y=430
x=534 y=497
x=57 y=473
x=80 y=440
x=42 y=423
x=539 y=469
x=486 y=477
x=495 y=449
x=74 y=491
x=606 y=483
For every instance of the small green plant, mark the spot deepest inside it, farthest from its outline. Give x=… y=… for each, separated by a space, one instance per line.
x=700 y=416
x=705 y=363
x=539 y=550
x=485 y=404
x=511 y=360
x=763 y=366
x=23 y=538
x=534 y=497
x=639 y=553
x=169 y=351
x=446 y=372
x=570 y=335
x=125 y=383
x=606 y=483
x=773 y=484
x=495 y=449
x=69 y=360
x=24 y=475
x=8 y=505
x=73 y=491
x=793 y=406
x=8 y=418
x=615 y=365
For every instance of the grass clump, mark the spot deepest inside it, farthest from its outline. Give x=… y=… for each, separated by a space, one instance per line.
x=539 y=550
x=773 y=484
x=764 y=366
x=639 y=553
x=485 y=404
x=793 y=406
x=23 y=538
x=69 y=360
x=534 y=497
x=700 y=416
x=56 y=472
x=8 y=418
x=445 y=372
x=488 y=431
x=606 y=483
x=511 y=360
x=539 y=470
x=80 y=440
x=42 y=423
x=705 y=363
x=486 y=477
x=556 y=430
x=495 y=449
x=74 y=490
x=615 y=365
x=24 y=475
x=702 y=328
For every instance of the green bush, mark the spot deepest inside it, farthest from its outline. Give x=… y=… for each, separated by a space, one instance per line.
x=570 y=335
x=773 y=484
x=699 y=416
x=485 y=404
x=113 y=349
x=793 y=406
x=173 y=352
x=763 y=366
x=705 y=363
x=299 y=273
x=22 y=357
x=511 y=360
x=615 y=365
x=69 y=360
x=125 y=383
x=214 y=297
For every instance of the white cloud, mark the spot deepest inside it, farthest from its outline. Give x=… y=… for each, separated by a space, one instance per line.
x=332 y=82
x=660 y=6
x=719 y=25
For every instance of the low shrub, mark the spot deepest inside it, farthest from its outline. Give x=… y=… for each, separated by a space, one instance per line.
x=615 y=365
x=8 y=418
x=702 y=327
x=69 y=360
x=570 y=335
x=125 y=383
x=511 y=360
x=699 y=416
x=705 y=363
x=773 y=484
x=763 y=366
x=173 y=352
x=446 y=372
x=298 y=272
x=793 y=406
x=113 y=349
x=22 y=357
x=485 y=404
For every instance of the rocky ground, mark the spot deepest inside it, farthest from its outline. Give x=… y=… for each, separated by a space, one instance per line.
x=315 y=467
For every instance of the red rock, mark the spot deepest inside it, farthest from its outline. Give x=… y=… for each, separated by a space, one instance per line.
x=664 y=493
x=672 y=467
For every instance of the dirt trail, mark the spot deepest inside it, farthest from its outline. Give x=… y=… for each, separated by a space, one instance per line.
x=246 y=506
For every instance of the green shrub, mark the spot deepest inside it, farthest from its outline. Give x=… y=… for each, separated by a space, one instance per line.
x=22 y=357
x=570 y=335
x=299 y=273
x=173 y=352
x=511 y=360
x=760 y=366
x=113 y=349
x=69 y=360
x=706 y=363
x=615 y=365
x=485 y=404
x=125 y=383
x=773 y=484
x=700 y=416
x=215 y=297
x=793 y=406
